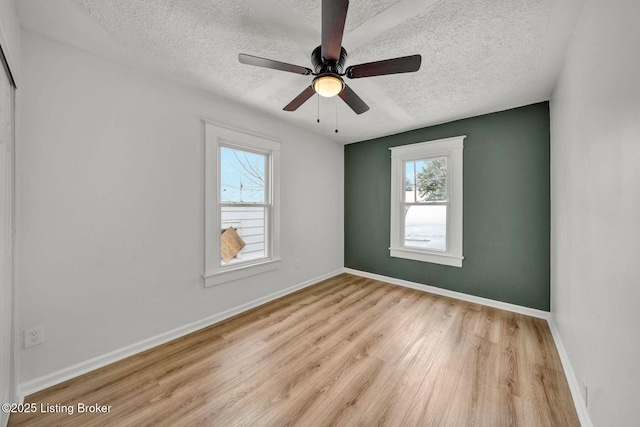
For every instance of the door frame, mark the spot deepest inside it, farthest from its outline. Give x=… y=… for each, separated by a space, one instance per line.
x=12 y=353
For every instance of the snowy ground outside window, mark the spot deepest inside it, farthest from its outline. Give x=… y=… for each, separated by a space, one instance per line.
x=426 y=227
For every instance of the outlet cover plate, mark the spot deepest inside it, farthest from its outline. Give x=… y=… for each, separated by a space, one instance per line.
x=33 y=336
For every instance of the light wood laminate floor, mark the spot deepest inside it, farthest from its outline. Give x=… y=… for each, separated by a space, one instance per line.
x=347 y=351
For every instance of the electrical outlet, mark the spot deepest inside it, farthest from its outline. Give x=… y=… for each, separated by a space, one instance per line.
x=33 y=336
x=297 y=263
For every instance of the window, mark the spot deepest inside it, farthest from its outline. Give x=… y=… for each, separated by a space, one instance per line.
x=244 y=205
x=426 y=201
x=241 y=204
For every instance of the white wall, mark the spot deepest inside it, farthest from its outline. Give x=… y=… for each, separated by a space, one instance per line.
x=10 y=34
x=595 y=209
x=111 y=206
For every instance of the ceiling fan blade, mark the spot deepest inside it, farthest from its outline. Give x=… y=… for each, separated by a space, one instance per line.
x=270 y=63
x=405 y=64
x=334 y=15
x=353 y=100
x=300 y=99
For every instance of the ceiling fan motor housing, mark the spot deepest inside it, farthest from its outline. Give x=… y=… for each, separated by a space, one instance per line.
x=320 y=65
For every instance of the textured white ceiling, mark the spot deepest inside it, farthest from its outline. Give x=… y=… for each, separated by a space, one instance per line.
x=478 y=56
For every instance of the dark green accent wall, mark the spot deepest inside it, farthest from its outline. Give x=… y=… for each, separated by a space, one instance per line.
x=506 y=207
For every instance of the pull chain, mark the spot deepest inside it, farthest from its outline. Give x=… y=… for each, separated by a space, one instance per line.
x=336 y=116
x=318 y=96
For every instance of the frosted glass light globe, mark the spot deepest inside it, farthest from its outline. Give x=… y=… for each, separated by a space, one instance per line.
x=328 y=85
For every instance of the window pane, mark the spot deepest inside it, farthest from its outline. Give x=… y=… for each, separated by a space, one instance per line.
x=426 y=227
x=426 y=180
x=249 y=223
x=242 y=176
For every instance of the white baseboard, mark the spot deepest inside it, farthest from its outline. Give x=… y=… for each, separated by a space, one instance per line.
x=574 y=384
x=453 y=294
x=40 y=383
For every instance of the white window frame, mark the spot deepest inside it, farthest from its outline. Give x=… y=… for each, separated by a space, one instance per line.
x=217 y=135
x=451 y=148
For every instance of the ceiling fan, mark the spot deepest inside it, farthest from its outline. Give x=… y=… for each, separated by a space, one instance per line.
x=328 y=61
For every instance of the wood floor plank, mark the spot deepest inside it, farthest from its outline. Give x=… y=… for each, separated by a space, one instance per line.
x=432 y=402
x=346 y=351
x=393 y=400
x=343 y=400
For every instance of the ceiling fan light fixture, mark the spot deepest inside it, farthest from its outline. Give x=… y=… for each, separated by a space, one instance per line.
x=328 y=85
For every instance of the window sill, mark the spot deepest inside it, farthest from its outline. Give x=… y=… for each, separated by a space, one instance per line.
x=433 y=257
x=240 y=272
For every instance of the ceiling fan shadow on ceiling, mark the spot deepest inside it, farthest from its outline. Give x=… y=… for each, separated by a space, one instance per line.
x=328 y=61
